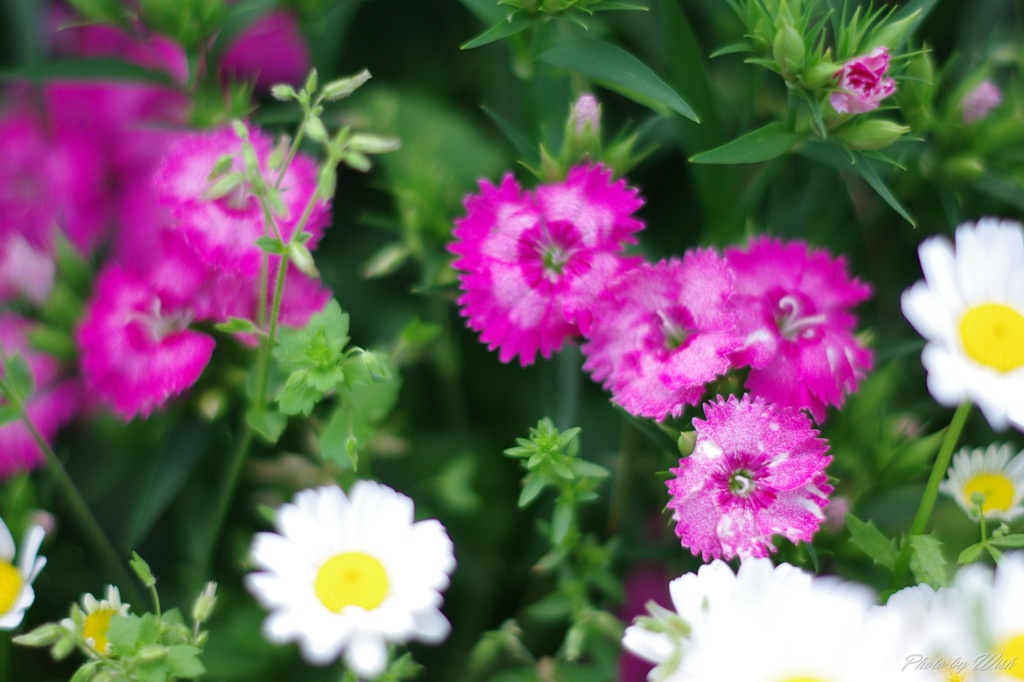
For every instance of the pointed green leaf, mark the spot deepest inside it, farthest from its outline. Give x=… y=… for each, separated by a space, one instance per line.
x=509 y=26
x=870 y=540
x=928 y=564
x=971 y=553
x=561 y=522
x=617 y=69
x=267 y=423
x=731 y=48
x=763 y=144
x=872 y=178
x=534 y=486
x=1008 y=541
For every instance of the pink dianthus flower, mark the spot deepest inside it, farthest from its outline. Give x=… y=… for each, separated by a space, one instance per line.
x=533 y=263
x=272 y=50
x=136 y=349
x=861 y=83
x=53 y=402
x=757 y=470
x=793 y=309
x=984 y=97
x=660 y=332
x=223 y=232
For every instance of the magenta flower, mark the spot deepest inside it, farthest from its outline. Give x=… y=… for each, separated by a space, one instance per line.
x=136 y=350
x=53 y=403
x=533 y=263
x=757 y=470
x=660 y=332
x=25 y=271
x=983 y=98
x=223 y=232
x=861 y=83
x=271 y=50
x=793 y=307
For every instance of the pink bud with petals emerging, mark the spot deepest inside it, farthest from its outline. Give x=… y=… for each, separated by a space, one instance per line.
x=861 y=83
x=982 y=99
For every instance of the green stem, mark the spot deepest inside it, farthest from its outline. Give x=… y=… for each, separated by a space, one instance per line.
x=79 y=509
x=931 y=492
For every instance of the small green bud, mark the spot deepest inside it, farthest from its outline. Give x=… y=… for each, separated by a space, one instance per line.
x=279 y=153
x=311 y=82
x=283 y=92
x=142 y=570
x=151 y=653
x=302 y=258
x=873 y=134
x=963 y=168
x=356 y=161
x=373 y=144
x=63 y=647
x=821 y=75
x=788 y=50
x=687 y=441
x=222 y=166
x=343 y=87
x=316 y=131
x=205 y=603
x=44 y=635
x=327 y=182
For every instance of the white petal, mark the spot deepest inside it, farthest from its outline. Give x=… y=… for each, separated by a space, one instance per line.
x=431 y=626
x=367 y=654
x=29 y=548
x=7 y=548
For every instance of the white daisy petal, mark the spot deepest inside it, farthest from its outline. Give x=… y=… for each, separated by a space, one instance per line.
x=992 y=474
x=970 y=309
x=350 y=573
x=16 y=581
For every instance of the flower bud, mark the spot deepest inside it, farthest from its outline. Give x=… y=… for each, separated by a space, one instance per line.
x=343 y=87
x=687 y=441
x=821 y=75
x=964 y=168
x=151 y=653
x=788 y=50
x=861 y=83
x=868 y=135
x=205 y=603
x=976 y=104
x=586 y=113
x=44 y=635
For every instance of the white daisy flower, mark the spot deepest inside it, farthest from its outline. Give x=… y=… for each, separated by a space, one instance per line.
x=1004 y=617
x=789 y=626
x=992 y=474
x=347 y=574
x=16 y=593
x=93 y=620
x=970 y=308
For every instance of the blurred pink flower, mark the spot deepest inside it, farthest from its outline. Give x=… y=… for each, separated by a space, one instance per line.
x=271 y=50
x=222 y=232
x=25 y=271
x=757 y=470
x=861 y=83
x=644 y=583
x=136 y=351
x=984 y=97
x=533 y=263
x=660 y=332
x=793 y=310
x=54 y=401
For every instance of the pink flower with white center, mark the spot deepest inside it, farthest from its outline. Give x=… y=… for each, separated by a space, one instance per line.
x=271 y=50
x=660 y=332
x=861 y=83
x=533 y=263
x=757 y=470
x=136 y=351
x=53 y=402
x=793 y=309
x=223 y=232
x=983 y=98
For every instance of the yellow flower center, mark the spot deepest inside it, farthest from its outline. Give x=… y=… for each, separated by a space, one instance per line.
x=10 y=586
x=351 y=579
x=1010 y=657
x=802 y=679
x=993 y=335
x=96 y=625
x=997 y=489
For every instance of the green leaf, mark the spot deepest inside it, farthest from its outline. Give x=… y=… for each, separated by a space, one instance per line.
x=870 y=540
x=561 y=521
x=731 y=48
x=272 y=245
x=8 y=414
x=183 y=661
x=267 y=423
x=87 y=69
x=1008 y=541
x=514 y=23
x=317 y=345
x=298 y=396
x=236 y=325
x=534 y=486
x=928 y=564
x=617 y=69
x=584 y=468
x=19 y=377
x=870 y=175
x=971 y=553
x=763 y=144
